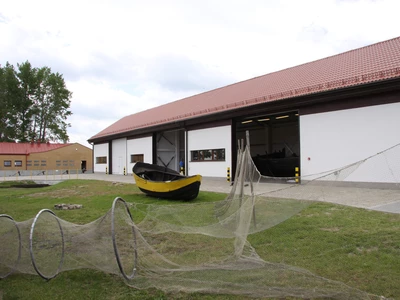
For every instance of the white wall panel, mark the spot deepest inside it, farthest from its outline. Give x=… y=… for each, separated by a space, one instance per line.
x=211 y=138
x=119 y=161
x=335 y=139
x=139 y=146
x=98 y=151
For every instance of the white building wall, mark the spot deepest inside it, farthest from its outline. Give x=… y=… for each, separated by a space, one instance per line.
x=211 y=138
x=335 y=139
x=98 y=151
x=119 y=161
x=139 y=146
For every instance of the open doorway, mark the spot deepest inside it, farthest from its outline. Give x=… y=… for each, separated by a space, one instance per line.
x=170 y=149
x=275 y=142
x=83 y=166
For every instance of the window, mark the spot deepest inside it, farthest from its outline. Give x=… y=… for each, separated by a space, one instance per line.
x=18 y=163
x=137 y=158
x=7 y=163
x=101 y=160
x=208 y=155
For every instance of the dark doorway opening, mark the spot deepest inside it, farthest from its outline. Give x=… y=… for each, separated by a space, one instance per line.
x=83 y=166
x=274 y=142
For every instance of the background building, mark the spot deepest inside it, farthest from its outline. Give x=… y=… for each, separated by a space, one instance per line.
x=319 y=116
x=26 y=158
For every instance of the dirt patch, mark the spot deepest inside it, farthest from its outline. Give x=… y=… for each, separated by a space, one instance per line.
x=332 y=229
x=59 y=194
x=367 y=250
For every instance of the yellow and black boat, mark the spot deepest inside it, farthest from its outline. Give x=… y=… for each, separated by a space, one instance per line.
x=162 y=182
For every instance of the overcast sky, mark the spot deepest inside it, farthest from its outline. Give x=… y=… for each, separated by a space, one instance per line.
x=120 y=57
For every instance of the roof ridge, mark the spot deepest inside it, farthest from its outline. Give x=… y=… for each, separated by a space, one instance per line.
x=328 y=57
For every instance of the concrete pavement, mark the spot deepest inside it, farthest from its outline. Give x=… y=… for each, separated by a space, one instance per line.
x=385 y=200
x=380 y=199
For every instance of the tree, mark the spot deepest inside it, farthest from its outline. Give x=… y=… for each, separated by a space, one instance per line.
x=3 y=105
x=24 y=107
x=34 y=104
x=9 y=94
x=52 y=104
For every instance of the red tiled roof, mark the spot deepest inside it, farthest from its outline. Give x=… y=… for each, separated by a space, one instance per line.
x=27 y=148
x=376 y=62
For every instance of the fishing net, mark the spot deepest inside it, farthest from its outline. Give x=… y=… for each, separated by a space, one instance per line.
x=48 y=245
x=189 y=247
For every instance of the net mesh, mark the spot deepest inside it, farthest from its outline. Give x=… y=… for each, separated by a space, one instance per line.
x=191 y=247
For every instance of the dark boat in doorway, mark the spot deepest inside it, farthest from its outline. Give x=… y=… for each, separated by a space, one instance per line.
x=162 y=182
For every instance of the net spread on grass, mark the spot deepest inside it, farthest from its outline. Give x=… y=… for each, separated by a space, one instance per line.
x=189 y=247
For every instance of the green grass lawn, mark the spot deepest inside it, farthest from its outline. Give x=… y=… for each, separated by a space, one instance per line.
x=358 y=247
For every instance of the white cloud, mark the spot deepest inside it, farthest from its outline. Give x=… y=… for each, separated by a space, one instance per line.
x=120 y=57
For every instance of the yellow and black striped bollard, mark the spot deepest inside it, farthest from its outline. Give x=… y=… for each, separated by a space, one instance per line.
x=296 y=174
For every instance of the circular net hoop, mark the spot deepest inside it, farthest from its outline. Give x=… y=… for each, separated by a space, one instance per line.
x=8 y=227
x=44 y=242
x=47 y=245
x=119 y=201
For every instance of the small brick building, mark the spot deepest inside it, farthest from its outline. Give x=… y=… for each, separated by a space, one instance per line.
x=38 y=157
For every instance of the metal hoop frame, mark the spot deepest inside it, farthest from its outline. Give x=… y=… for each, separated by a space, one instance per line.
x=131 y=276
x=31 y=245
x=19 y=246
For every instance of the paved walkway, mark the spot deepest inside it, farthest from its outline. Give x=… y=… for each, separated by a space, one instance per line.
x=386 y=200
x=380 y=199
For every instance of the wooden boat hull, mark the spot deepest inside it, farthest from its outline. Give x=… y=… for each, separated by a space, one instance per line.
x=160 y=182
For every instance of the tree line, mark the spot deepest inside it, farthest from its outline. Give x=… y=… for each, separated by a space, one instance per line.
x=34 y=104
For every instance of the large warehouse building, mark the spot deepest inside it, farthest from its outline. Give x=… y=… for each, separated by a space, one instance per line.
x=318 y=116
